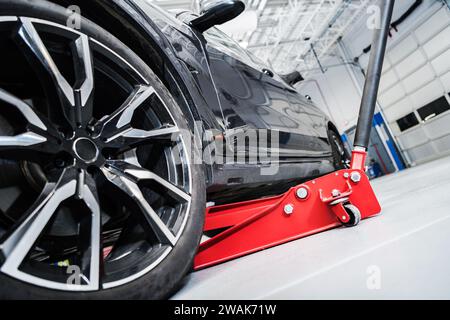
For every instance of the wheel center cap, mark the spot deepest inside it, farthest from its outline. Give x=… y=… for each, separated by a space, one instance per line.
x=86 y=150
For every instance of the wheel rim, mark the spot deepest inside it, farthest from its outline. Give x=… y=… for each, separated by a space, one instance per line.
x=106 y=185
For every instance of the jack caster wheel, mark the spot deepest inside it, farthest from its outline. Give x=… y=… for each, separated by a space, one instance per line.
x=354 y=213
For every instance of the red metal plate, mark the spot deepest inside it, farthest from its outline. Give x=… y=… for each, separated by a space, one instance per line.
x=260 y=224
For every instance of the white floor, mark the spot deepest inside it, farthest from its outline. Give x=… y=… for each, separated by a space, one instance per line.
x=402 y=254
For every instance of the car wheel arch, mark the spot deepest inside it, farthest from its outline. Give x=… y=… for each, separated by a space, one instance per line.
x=331 y=126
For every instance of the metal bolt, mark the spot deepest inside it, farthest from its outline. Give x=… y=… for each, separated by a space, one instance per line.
x=302 y=193
x=346 y=175
x=355 y=177
x=90 y=129
x=289 y=209
x=344 y=218
x=335 y=193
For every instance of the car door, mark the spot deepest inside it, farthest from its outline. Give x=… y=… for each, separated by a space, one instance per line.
x=252 y=98
x=316 y=119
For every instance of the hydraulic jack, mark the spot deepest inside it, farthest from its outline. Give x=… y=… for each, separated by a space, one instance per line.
x=340 y=198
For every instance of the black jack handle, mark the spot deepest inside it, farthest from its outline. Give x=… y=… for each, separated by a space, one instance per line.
x=371 y=86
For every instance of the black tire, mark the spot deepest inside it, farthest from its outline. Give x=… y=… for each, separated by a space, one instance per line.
x=340 y=154
x=354 y=213
x=167 y=276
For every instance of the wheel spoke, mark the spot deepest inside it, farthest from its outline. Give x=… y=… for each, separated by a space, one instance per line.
x=128 y=185
x=85 y=81
x=84 y=69
x=21 y=140
x=21 y=240
x=117 y=127
x=87 y=191
x=77 y=110
x=142 y=174
x=131 y=137
x=26 y=110
x=31 y=38
x=18 y=243
x=36 y=138
x=122 y=116
x=26 y=145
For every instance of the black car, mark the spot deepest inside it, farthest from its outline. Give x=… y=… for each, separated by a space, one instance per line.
x=118 y=127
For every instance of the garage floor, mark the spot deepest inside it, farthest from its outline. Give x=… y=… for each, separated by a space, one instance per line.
x=401 y=254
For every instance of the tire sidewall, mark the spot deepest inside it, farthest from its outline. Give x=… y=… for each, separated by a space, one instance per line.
x=338 y=158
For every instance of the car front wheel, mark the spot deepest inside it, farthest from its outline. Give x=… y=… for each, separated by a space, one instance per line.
x=99 y=195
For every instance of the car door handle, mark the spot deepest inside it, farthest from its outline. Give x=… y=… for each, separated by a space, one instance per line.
x=268 y=72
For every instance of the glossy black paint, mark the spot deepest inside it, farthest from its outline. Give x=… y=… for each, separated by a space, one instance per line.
x=217 y=13
x=227 y=90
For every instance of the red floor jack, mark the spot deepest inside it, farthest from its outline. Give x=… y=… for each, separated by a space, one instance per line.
x=340 y=198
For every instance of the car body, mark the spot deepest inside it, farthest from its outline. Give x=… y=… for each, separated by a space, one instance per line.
x=227 y=89
x=120 y=122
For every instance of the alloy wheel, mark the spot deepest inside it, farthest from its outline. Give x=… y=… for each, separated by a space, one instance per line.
x=100 y=180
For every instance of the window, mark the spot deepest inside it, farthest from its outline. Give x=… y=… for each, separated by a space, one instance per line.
x=227 y=44
x=222 y=42
x=408 y=121
x=433 y=109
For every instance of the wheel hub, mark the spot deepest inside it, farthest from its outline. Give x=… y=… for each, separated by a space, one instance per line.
x=86 y=150
x=81 y=150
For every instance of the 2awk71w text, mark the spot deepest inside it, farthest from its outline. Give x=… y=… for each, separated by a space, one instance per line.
x=226 y=309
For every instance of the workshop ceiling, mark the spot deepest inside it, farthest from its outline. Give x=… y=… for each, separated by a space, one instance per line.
x=292 y=34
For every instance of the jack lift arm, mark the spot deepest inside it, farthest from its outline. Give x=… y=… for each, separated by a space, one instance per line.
x=340 y=198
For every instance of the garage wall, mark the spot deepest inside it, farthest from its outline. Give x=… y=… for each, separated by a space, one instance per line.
x=415 y=86
x=335 y=93
x=415 y=82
